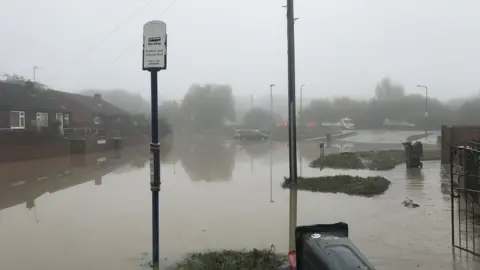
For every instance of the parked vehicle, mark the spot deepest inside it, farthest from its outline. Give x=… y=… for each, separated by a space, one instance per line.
x=250 y=134
x=344 y=123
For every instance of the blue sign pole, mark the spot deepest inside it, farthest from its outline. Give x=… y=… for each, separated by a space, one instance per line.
x=154 y=60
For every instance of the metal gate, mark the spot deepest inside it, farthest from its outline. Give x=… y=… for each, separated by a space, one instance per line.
x=465 y=197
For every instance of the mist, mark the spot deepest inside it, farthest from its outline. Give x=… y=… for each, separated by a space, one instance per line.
x=343 y=48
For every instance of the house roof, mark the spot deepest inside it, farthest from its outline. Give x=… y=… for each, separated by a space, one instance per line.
x=95 y=104
x=21 y=97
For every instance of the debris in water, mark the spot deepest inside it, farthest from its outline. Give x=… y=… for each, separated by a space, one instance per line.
x=409 y=203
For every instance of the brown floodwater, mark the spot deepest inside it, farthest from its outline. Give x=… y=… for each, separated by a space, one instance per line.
x=95 y=212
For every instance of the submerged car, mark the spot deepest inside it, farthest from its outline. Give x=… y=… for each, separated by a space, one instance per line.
x=250 y=134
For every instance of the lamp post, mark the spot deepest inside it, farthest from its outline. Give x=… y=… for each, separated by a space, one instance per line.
x=426 y=108
x=301 y=97
x=271 y=155
x=271 y=98
x=35 y=73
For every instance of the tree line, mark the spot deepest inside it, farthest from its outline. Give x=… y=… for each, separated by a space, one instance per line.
x=391 y=102
x=211 y=106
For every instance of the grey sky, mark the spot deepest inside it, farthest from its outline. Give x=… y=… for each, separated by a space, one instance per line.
x=344 y=47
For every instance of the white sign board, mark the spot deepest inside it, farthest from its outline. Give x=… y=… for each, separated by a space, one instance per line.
x=154 y=45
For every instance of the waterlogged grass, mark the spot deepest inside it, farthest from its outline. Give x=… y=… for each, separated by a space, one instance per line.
x=351 y=185
x=345 y=160
x=261 y=259
x=382 y=160
x=372 y=160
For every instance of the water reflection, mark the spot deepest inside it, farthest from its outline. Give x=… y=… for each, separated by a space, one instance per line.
x=414 y=174
x=109 y=226
x=256 y=150
x=24 y=182
x=271 y=171
x=208 y=160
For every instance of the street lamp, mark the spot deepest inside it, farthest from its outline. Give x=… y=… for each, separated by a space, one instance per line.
x=271 y=98
x=301 y=96
x=426 y=108
x=35 y=73
x=271 y=155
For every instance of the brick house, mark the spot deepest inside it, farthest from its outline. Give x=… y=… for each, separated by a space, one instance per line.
x=90 y=111
x=23 y=108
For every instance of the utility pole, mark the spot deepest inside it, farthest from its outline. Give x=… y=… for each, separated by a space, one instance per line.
x=292 y=136
x=426 y=109
x=252 y=101
x=35 y=73
x=301 y=97
x=271 y=98
x=271 y=148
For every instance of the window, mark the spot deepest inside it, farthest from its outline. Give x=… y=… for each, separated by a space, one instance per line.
x=17 y=119
x=42 y=119
x=96 y=120
x=66 y=119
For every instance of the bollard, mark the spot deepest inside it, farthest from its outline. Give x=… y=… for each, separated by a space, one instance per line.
x=98 y=181
x=322 y=150
x=329 y=137
x=329 y=140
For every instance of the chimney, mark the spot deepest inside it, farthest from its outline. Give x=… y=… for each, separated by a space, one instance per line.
x=29 y=85
x=97 y=96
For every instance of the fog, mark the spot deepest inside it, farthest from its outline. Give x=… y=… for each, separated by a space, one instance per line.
x=343 y=47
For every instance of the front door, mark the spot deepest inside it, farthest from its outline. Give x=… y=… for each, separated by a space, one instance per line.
x=59 y=118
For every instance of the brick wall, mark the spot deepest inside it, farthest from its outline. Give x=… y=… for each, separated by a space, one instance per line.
x=457 y=136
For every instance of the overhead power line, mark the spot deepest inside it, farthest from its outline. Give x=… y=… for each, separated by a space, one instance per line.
x=130 y=45
x=101 y=41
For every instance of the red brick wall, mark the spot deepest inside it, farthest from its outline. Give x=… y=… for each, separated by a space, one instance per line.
x=16 y=153
x=81 y=117
x=457 y=136
x=30 y=115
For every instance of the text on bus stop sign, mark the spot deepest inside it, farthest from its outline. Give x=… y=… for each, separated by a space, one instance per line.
x=154 y=45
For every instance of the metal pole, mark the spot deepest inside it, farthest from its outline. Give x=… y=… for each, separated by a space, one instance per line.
x=155 y=168
x=426 y=109
x=34 y=73
x=271 y=172
x=271 y=148
x=292 y=138
x=301 y=97
x=271 y=99
x=426 y=112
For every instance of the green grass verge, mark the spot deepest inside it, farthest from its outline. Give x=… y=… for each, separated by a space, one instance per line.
x=261 y=259
x=351 y=185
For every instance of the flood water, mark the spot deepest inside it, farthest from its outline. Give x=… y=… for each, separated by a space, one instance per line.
x=95 y=213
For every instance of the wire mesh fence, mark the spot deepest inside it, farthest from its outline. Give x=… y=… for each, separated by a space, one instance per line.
x=465 y=197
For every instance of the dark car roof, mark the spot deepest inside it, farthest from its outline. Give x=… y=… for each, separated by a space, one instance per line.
x=94 y=104
x=18 y=96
